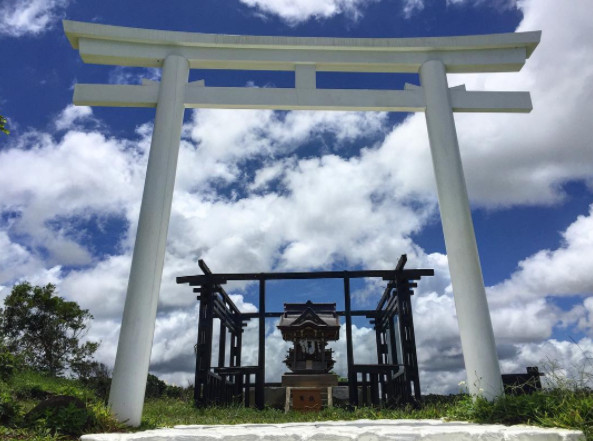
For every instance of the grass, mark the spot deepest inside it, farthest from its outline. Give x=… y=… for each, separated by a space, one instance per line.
x=26 y=389
x=169 y=412
x=566 y=407
x=553 y=408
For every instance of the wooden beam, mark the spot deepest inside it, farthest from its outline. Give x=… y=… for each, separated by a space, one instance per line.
x=125 y=46
x=411 y=274
x=411 y=100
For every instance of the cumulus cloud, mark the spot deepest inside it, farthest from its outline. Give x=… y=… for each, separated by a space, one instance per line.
x=294 y=12
x=531 y=156
x=72 y=115
x=133 y=75
x=564 y=271
x=29 y=17
x=218 y=141
x=540 y=279
x=15 y=260
x=51 y=186
x=412 y=6
x=565 y=363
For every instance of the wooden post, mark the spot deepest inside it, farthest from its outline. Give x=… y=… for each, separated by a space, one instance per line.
x=408 y=339
x=204 y=346
x=261 y=356
x=221 y=344
x=352 y=389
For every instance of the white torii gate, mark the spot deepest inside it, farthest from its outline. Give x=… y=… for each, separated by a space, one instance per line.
x=178 y=52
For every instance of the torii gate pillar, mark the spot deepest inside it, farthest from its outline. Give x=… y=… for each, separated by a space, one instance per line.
x=126 y=397
x=473 y=316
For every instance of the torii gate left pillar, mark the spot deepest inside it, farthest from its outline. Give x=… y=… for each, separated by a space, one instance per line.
x=177 y=52
x=137 y=328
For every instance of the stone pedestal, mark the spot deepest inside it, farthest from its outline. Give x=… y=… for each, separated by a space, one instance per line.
x=309 y=391
x=309 y=380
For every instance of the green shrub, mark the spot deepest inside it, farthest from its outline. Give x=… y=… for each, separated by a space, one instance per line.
x=102 y=421
x=155 y=387
x=69 y=421
x=58 y=417
x=10 y=410
x=185 y=394
x=97 y=378
x=32 y=392
x=10 y=433
x=8 y=363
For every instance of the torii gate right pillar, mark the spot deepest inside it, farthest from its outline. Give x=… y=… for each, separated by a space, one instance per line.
x=475 y=326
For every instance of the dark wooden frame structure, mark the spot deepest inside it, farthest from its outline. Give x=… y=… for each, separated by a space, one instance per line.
x=393 y=380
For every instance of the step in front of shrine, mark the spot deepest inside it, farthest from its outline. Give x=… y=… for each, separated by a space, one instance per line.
x=361 y=430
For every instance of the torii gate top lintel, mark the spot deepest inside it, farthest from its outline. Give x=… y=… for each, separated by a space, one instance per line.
x=146 y=47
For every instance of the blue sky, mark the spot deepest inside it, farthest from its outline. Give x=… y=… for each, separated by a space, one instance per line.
x=263 y=190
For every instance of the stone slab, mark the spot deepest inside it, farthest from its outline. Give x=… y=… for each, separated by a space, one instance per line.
x=361 y=430
x=309 y=380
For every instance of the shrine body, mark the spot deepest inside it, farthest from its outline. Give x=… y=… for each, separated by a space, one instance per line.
x=310 y=326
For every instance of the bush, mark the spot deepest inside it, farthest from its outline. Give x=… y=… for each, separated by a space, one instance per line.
x=155 y=387
x=69 y=420
x=97 y=378
x=9 y=410
x=181 y=393
x=60 y=414
x=8 y=363
x=102 y=421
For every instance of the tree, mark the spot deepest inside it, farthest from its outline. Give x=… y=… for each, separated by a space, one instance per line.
x=3 y=125
x=45 y=330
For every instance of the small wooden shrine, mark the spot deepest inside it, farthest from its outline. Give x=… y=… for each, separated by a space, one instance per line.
x=309 y=326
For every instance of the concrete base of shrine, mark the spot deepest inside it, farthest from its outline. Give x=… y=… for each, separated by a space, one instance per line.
x=367 y=430
x=309 y=380
x=276 y=396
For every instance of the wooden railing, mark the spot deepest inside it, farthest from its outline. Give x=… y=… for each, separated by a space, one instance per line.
x=240 y=381
x=381 y=385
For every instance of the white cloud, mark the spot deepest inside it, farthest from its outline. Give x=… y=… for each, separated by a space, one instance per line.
x=101 y=288
x=516 y=159
x=72 y=114
x=133 y=75
x=15 y=260
x=22 y=17
x=51 y=186
x=219 y=140
x=564 y=271
x=564 y=363
x=412 y=6
x=585 y=321
x=297 y=11
x=531 y=156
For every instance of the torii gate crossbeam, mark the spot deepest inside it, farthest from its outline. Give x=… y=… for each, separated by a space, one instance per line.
x=178 y=52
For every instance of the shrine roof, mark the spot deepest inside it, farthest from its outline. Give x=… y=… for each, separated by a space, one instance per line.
x=320 y=315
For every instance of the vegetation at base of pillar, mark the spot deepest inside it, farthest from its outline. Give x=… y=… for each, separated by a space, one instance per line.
x=45 y=331
x=3 y=128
